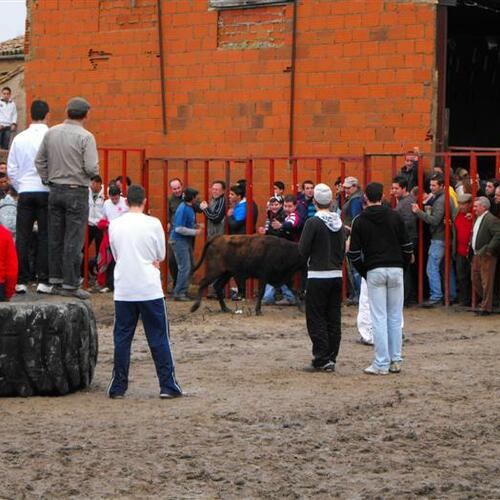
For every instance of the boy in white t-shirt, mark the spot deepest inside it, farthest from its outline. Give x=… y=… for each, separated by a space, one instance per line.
x=138 y=245
x=115 y=205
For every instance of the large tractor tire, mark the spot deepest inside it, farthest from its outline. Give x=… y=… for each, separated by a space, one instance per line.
x=48 y=346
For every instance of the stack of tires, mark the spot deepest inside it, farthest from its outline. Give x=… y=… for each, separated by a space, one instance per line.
x=46 y=347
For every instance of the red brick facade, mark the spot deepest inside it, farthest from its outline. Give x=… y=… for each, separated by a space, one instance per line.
x=364 y=74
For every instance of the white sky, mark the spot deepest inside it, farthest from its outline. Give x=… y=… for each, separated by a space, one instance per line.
x=12 y=17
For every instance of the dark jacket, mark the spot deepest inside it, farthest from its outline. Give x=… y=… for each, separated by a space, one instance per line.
x=173 y=203
x=488 y=236
x=238 y=221
x=279 y=216
x=403 y=208
x=353 y=206
x=379 y=239
x=410 y=175
x=323 y=242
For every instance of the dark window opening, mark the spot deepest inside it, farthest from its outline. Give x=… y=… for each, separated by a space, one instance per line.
x=473 y=76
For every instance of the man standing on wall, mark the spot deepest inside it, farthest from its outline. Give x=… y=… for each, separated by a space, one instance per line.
x=66 y=161
x=138 y=245
x=8 y=117
x=33 y=200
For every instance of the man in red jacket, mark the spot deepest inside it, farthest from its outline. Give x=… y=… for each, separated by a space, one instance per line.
x=463 y=231
x=8 y=265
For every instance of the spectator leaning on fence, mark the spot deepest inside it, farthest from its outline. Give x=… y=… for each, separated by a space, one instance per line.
x=33 y=199
x=66 y=161
x=434 y=216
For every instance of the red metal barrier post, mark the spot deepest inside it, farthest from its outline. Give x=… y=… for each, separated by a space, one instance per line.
x=250 y=215
x=124 y=172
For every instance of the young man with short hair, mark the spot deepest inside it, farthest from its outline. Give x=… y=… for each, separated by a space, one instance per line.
x=32 y=206
x=323 y=243
x=96 y=204
x=380 y=249
x=138 y=245
x=8 y=117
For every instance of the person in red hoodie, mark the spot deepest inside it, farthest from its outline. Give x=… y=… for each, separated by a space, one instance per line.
x=8 y=265
x=463 y=232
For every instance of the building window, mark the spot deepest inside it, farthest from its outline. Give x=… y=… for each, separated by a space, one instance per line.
x=240 y=4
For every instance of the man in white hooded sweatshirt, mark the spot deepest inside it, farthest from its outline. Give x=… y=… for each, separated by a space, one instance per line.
x=323 y=243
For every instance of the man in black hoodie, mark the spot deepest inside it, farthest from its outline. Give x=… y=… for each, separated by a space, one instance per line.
x=380 y=249
x=322 y=242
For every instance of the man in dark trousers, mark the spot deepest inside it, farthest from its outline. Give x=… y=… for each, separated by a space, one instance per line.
x=66 y=161
x=381 y=249
x=138 y=245
x=323 y=243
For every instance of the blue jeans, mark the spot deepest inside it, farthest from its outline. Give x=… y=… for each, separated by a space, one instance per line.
x=434 y=261
x=154 y=318
x=386 y=298
x=270 y=291
x=183 y=250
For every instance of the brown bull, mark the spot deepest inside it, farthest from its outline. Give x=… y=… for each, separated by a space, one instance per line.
x=268 y=258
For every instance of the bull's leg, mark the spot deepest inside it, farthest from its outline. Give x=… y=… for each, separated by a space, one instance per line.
x=258 y=305
x=201 y=289
x=219 y=286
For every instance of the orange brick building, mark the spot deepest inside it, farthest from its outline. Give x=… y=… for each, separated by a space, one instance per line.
x=310 y=77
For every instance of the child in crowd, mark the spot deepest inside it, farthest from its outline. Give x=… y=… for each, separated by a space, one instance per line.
x=8 y=211
x=8 y=265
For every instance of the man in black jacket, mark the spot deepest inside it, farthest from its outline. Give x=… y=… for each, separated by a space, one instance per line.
x=322 y=242
x=380 y=249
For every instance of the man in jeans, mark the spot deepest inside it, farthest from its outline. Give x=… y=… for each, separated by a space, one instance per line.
x=380 y=249
x=435 y=217
x=184 y=229
x=33 y=200
x=66 y=161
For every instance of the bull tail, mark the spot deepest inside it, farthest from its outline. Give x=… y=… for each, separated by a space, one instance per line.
x=203 y=253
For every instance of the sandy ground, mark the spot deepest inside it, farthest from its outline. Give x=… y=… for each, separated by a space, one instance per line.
x=255 y=423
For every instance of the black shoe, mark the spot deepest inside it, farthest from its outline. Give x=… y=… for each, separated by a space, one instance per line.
x=170 y=395
x=116 y=395
x=329 y=366
x=182 y=298
x=362 y=341
x=482 y=313
x=432 y=303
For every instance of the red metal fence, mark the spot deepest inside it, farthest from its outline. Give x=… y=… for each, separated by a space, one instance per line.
x=261 y=173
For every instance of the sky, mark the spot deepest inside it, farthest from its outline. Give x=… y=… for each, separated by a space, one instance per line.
x=13 y=15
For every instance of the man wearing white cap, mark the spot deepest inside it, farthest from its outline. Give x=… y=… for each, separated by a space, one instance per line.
x=323 y=243
x=66 y=161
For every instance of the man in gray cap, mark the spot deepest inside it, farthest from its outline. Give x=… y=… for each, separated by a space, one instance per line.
x=66 y=161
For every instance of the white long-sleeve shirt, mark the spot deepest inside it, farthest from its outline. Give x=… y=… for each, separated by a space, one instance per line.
x=21 y=161
x=96 y=203
x=8 y=113
x=137 y=240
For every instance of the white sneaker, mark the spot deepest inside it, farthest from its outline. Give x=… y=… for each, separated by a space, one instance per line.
x=371 y=370
x=43 y=288
x=104 y=290
x=21 y=288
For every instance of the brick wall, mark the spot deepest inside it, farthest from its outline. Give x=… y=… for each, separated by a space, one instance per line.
x=364 y=74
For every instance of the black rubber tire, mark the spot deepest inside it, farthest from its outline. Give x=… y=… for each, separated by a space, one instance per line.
x=47 y=347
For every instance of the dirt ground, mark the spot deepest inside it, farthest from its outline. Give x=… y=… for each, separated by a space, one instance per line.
x=255 y=423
